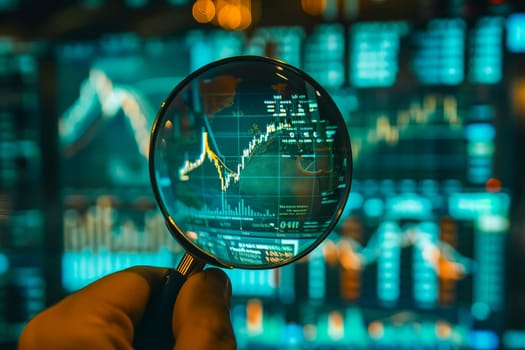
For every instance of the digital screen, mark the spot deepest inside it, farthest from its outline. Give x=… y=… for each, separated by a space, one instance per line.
x=486 y=54
x=209 y=46
x=420 y=256
x=515 y=32
x=110 y=218
x=324 y=55
x=373 y=50
x=23 y=277
x=439 y=50
x=284 y=42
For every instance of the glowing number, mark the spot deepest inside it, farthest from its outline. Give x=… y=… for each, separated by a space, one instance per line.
x=289 y=224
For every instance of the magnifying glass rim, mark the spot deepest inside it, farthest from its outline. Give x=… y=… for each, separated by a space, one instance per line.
x=174 y=228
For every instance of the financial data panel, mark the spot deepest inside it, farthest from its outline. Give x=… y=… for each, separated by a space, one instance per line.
x=419 y=256
x=22 y=216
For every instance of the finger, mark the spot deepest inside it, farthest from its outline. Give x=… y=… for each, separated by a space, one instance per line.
x=101 y=315
x=201 y=317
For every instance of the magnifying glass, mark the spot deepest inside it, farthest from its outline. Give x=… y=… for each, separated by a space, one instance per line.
x=251 y=165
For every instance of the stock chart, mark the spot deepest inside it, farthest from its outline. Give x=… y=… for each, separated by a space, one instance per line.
x=251 y=161
x=418 y=258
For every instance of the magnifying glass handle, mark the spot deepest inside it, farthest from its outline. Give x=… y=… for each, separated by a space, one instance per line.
x=155 y=329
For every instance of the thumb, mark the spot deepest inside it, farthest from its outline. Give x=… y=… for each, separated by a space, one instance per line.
x=201 y=317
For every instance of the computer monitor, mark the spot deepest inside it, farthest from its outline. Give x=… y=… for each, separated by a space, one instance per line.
x=420 y=257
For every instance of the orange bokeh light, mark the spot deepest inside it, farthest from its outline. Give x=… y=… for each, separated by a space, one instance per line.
x=203 y=11
x=228 y=14
x=246 y=16
x=493 y=185
x=254 y=314
x=376 y=329
x=229 y=17
x=443 y=330
x=313 y=7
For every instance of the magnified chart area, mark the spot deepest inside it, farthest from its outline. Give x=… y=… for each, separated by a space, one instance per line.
x=252 y=163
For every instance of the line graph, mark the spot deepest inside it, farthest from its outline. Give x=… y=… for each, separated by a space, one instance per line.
x=444 y=259
x=226 y=174
x=434 y=261
x=99 y=102
x=433 y=109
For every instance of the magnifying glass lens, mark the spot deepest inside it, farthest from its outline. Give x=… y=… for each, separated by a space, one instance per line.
x=250 y=162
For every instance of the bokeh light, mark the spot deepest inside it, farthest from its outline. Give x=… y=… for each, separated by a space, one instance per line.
x=313 y=7
x=228 y=14
x=203 y=11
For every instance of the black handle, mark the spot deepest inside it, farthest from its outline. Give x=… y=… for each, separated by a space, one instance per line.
x=155 y=329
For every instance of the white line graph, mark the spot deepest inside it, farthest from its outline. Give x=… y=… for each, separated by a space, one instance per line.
x=100 y=100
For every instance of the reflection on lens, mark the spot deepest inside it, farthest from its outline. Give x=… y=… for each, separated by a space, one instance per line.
x=251 y=162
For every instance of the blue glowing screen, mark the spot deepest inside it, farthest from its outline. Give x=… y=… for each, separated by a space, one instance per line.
x=419 y=256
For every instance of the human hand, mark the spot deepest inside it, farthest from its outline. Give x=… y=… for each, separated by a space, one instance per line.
x=104 y=314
